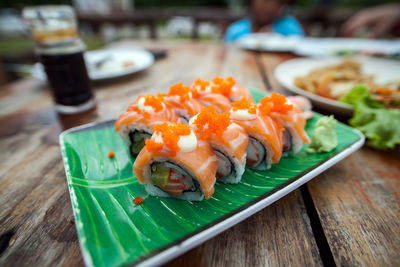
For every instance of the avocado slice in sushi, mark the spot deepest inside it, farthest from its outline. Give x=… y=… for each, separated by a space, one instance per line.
x=172 y=178
x=137 y=141
x=159 y=174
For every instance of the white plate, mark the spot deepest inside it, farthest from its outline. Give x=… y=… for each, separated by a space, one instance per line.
x=331 y=46
x=384 y=70
x=269 y=42
x=112 y=68
x=310 y=46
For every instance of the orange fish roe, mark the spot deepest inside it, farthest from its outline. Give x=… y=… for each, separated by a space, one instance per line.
x=135 y=108
x=183 y=91
x=203 y=85
x=244 y=104
x=111 y=154
x=161 y=96
x=208 y=121
x=217 y=80
x=170 y=133
x=146 y=115
x=138 y=200
x=152 y=145
x=224 y=86
x=274 y=103
x=223 y=121
x=154 y=101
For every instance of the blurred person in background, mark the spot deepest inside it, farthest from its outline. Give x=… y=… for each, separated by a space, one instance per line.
x=375 y=21
x=265 y=16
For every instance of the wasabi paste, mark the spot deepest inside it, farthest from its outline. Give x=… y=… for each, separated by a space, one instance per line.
x=324 y=137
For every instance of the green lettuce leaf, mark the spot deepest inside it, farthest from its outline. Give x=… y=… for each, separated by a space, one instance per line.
x=380 y=125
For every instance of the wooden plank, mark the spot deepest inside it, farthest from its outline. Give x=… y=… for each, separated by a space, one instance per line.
x=279 y=235
x=36 y=222
x=359 y=206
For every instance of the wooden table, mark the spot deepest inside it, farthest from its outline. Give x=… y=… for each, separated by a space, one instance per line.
x=348 y=215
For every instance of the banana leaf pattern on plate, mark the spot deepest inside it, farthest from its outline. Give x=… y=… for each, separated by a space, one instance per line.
x=113 y=231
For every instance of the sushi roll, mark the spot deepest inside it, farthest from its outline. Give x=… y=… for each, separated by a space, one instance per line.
x=265 y=135
x=229 y=88
x=303 y=104
x=175 y=163
x=210 y=97
x=182 y=100
x=136 y=124
x=292 y=119
x=228 y=140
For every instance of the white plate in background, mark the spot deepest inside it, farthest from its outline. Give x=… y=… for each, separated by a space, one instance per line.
x=112 y=65
x=384 y=70
x=331 y=46
x=311 y=46
x=268 y=42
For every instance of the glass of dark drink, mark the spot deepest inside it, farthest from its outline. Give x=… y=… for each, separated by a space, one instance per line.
x=60 y=50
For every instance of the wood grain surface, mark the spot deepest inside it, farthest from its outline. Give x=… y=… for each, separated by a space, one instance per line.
x=358 y=202
x=36 y=223
x=279 y=235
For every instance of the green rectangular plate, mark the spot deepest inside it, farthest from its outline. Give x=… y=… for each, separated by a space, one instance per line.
x=113 y=231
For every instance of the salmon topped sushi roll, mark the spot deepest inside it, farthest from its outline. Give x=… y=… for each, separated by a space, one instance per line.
x=290 y=116
x=175 y=163
x=136 y=124
x=182 y=100
x=265 y=135
x=228 y=139
x=229 y=88
x=303 y=104
x=210 y=96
